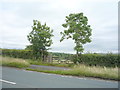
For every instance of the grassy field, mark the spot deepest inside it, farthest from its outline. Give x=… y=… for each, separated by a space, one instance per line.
x=13 y=62
x=76 y=70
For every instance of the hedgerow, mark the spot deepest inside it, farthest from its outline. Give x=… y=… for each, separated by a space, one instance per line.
x=25 y=54
x=108 y=60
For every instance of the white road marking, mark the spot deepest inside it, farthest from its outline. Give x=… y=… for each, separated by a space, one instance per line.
x=7 y=81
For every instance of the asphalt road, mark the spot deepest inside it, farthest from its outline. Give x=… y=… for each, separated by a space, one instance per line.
x=17 y=78
x=47 y=67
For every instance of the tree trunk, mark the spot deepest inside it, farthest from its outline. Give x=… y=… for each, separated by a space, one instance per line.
x=77 y=56
x=42 y=56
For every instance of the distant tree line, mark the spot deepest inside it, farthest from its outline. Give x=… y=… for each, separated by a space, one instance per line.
x=62 y=56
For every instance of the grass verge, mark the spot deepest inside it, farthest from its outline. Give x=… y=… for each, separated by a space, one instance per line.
x=86 y=71
x=13 y=62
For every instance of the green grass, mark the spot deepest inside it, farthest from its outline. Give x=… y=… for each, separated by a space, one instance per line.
x=96 y=71
x=13 y=62
x=87 y=71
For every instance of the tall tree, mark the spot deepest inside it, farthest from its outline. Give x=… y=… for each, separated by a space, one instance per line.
x=78 y=29
x=40 y=39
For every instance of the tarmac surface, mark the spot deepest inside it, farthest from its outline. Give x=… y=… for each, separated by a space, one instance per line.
x=47 y=67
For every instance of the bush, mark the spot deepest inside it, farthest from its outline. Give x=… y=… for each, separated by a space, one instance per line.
x=25 y=54
x=109 y=60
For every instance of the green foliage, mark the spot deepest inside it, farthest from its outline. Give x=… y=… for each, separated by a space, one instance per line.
x=25 y=54
x=28 y=54
x=109 y=60
x=77 y=29
x=40 y=38
x=29 y=47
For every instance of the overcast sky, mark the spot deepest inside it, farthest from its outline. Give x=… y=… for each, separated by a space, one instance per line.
x=16 y=19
